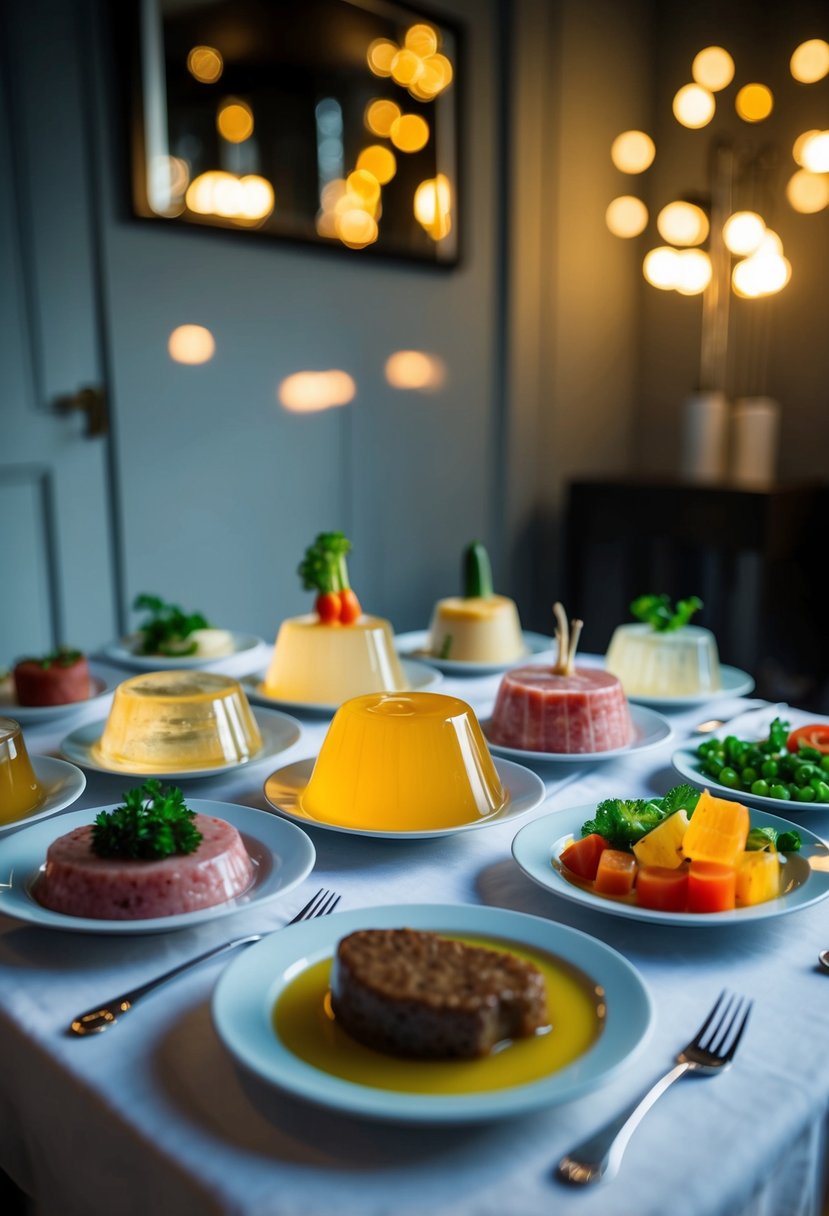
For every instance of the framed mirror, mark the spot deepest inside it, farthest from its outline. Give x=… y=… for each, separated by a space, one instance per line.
x=325 y=121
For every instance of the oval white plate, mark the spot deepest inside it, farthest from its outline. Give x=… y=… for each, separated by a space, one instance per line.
x=735 y=683
x=64 y=784
x=541 y=842
x=279 y=732
x=42 y=713
x=122 y=652
x=283 y=854
x=687 y=764
x=420 y=676
x=411 y=645
x=247 y=991
x=526 y=791
x=651 y=729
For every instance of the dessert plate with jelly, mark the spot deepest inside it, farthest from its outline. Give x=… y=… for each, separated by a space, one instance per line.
x=650 y=730
x=42 y=713
x=126 y=654
x=734 y=683
x=284 y=790
x=279 y=731
x=538 y=846
x=272 y=1012
x=421 y=678
x=62 y=784
x=413 y=646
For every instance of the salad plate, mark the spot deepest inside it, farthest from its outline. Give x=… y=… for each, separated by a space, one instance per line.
x=25 y=714
x=651 y=730
x=279 y=731
x=735 y=683
x=251 y=986
x=282 y=854
x=421 y=678
x=525 y=790
x=63 y=783
x=412 y=646
x=687 y=763
x=124 y=653
x=538 y=846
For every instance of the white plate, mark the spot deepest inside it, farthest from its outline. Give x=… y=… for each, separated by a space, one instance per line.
x=122 y=652
x=420 y=676
x=64 y=784
x=42 y=713
x=244 y=998
x=411 y=645
x=279 y=732
x=687 y=764
x=651 y=729
x=525 y=789
x=735 y=683
x=283 y=854
x=540 y=843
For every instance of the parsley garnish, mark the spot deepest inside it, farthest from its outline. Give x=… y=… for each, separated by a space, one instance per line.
x=152 y=823
x=64 y=656
x=166 y=629
x=656 y=611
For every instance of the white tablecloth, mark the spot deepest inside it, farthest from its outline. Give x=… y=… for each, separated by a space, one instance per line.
x=153 y=1116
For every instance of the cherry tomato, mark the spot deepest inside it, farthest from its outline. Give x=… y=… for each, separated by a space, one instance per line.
x=350 y=609
x=815 y=735
x=328 y=607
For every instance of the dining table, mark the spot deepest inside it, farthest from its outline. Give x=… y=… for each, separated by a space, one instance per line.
x=156 y=1116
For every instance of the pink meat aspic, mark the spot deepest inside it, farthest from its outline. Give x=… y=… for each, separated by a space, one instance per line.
x=538 y=710
x=79 y=883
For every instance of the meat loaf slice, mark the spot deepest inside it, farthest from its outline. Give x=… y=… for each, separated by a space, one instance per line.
x=411 y=993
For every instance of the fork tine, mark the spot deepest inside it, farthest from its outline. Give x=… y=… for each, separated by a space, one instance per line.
x=700 y=1035
x=327 y=905
x=735 y=1042
x=721 y=1035
x=306 y=911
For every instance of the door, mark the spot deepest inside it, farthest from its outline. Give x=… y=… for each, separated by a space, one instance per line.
x=57 y=584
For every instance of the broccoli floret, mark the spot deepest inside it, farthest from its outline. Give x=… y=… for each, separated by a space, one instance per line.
x=624 y=821
x=680 y=798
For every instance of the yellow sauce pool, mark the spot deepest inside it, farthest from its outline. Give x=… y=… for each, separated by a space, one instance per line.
x=305 y=1023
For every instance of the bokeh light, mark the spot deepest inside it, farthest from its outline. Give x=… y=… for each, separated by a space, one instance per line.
x=713 y=68
x=800 y=143
x=234 y=121
x=379 y=56
x=205 y=64
x=357 y=228
x=743 y=231
x=693 y=106
x=810 y=61
x=247 y=199
x=815 y=152
x=414 y=369
x=632 y=151
x=661 y=268
x=406 y=67
x=379 y=116
x=626 y=216
x=409 y=132
x=754 y=102
x=422 y=39
x=762 y=274
x=191 y=344
x=693 y=272
x=380 y=162
x=682 y=223
x=310 y=392
x=808 y=192
x=433 y=206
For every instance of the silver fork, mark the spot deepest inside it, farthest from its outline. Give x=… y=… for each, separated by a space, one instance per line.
x=103 y=1016
x=710 y=1051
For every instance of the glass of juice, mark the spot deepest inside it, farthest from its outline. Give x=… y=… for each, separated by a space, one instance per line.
x=20 y=793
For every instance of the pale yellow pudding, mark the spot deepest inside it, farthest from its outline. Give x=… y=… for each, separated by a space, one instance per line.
x=408 y=762
x=649 y=663
x=20 y=793
x=326 y=664
x=177 y=720
x=476 y=629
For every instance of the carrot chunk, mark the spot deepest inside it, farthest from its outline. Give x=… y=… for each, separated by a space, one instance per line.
x=582 y=856
x=616 y=873
x=662 y=889
x=711 y=887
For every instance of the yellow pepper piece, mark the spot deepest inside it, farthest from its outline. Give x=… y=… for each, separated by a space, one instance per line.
x=662 y=846
x=758 y=877
x=717 y=832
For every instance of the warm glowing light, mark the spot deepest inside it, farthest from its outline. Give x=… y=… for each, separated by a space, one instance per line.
x=682 y=223
x=308 y=392
x=246 y=199
x=810 y=62
x=199 y=196
x=235 y=121
x=409 y=132
x=808 y=192
x=661 y=268
x=357 y=228
x=433 y=206
x=380 y=162
x=191 y=344
x=380 y=114
x=169 y=179
x=754 y=102
x=770 y=243
x=713 y=68
x=326 y=224
x=205 y=63
x=632 y=151
x=693 y=272
x=694 y=106
x=815 y=153
x=380 y=54
x=436 y=76
x=331 y=193
x=762 y=274
x=364 y=186
x=743 y=231
x=626 y=216
x=800 y=143
x=257 y=198
x=406 y=67
x=422 y=39
x=415 y=369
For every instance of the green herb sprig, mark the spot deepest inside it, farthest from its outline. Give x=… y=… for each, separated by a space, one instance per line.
x=167 y=628
x=64 y=656
x=152 y=823
x=656 y=611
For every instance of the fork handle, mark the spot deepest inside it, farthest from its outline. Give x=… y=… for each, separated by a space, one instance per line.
x=601 y=1155
x=106 y=1015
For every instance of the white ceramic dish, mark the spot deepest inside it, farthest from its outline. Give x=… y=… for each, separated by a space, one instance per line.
x=652 y=730
x=735 y=683
x=411 y=646
x=421 y=677
x=25 y=714
x=526 y=791
x=279 y=732
x=687 y=764
x=245 y=996
x=537 y=847
x=122 y=652
x=63 y=783
x=283 y=854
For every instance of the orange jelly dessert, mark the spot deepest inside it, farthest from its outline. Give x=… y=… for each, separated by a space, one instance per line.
x=175 y=720
x=326 y=664
x=403 y=762
x=20 y=793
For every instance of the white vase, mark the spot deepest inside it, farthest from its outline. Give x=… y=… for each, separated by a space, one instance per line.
x=704 y=437
x=754 y=441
